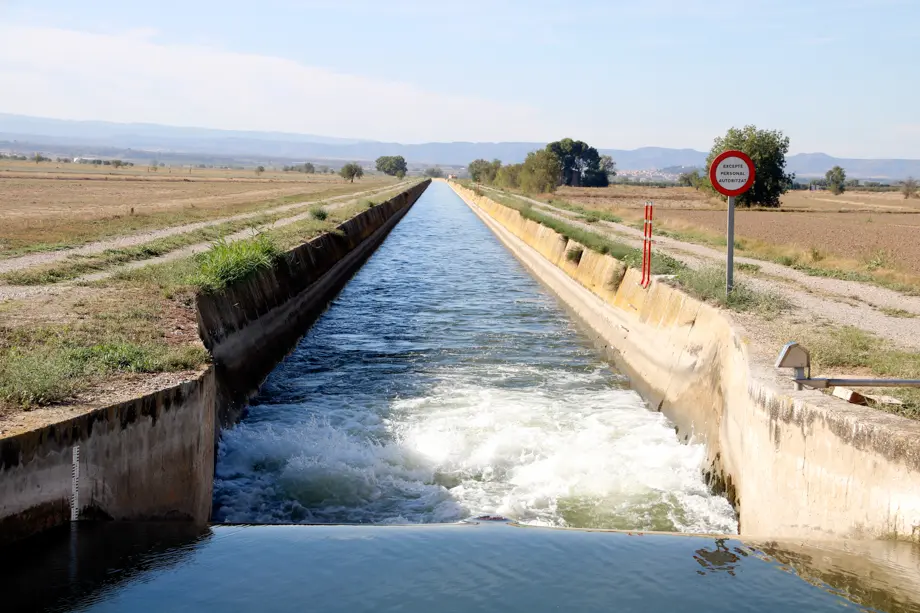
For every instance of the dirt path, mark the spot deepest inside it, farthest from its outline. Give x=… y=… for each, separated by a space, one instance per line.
x=839 y=302
x=35 y=259
x=17 y=292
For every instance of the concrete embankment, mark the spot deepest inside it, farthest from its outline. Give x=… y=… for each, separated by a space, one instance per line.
x=152 y=458
x=794 y=464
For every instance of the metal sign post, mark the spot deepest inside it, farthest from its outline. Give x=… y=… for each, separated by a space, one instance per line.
x=730 y=264
x=731 y=174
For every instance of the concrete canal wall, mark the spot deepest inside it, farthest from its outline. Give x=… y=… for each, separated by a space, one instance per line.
x=148 y=458
x=152 y=458
x=794 y=464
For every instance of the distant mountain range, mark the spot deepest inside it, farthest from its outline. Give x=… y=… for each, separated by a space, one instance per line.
x=143 y=140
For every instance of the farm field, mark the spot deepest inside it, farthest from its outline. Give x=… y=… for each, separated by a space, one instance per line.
x=47 y=206
x=868 y=231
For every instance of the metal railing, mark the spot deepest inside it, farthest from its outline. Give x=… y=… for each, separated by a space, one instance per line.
x=798 y=358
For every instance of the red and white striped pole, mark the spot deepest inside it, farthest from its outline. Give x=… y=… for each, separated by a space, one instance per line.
x=647 y=245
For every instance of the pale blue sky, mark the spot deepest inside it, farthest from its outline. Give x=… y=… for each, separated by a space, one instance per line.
x=837 y=76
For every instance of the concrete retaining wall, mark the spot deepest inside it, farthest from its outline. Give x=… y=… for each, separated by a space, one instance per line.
x=251 y=325
x=794 y=464
x=152 y=457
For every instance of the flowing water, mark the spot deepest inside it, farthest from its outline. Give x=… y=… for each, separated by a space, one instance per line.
x=445 y=382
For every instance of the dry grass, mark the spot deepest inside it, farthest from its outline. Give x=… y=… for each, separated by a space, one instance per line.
x=875 y=247
x=51 y=208
x=849 y=351
x=686 y=198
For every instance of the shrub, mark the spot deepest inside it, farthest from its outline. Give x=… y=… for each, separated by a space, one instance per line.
x=574 y=254
x=227 y=262
x=319 y=213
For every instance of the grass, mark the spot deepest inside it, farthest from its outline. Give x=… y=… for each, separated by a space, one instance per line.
x=319 y=213
x=228 y=262
x=574 y=254
x=851 y=348
x=897 y=313
x=876 y=269
x=596 y=215
x=136 y=321
x=708 y=284
x=77 y=266
x=57 y=233
x=51 y=362
x=631 y=256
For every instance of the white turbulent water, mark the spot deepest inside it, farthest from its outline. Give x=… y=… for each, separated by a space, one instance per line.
x=445 y=383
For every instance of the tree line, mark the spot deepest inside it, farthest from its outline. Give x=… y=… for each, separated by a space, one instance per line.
x=563 y=162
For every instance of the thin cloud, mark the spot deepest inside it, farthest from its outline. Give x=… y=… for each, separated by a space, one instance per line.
x=130 y=77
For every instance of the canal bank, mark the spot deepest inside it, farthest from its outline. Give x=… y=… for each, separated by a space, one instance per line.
x=152 y=458
x=796 y=464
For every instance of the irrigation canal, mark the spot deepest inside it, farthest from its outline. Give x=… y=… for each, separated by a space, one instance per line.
x=445 y=383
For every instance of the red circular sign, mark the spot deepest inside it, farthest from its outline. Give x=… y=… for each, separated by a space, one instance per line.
x=732 y=173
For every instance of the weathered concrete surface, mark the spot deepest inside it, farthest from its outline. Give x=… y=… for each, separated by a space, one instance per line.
x=152 y=457
x=251 y=325
x=794 y=464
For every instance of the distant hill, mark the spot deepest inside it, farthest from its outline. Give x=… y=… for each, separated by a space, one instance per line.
x=144 y=140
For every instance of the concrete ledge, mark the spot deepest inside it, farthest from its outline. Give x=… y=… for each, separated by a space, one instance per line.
x=152 y=457
x=794 y=464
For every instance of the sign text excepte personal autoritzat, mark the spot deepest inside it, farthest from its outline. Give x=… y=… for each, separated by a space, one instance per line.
x=731 y=174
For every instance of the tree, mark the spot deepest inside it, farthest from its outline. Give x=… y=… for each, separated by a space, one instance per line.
x=608 y=166
x=308 y=168
x=540 y=172
x=836 y=179
x=392 y=165
x=351 y=171
x=482 y=171
x=434 y=172
x=38 y=157
x=580 y=162
x=401 y=174
x=117 y=163
x=768 y=149
x=259 y=170
x=909 y=188
x=690 y=179
x=508 y=176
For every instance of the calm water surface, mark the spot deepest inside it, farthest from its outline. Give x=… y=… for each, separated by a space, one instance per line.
x=445 y=383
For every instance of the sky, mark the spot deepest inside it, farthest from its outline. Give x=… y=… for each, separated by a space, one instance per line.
x=836 y=76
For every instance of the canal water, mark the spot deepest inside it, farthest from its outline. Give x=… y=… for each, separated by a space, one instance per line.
x=445 y=383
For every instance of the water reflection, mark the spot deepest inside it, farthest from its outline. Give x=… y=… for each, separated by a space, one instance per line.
x=720 y=559
x=485 y=566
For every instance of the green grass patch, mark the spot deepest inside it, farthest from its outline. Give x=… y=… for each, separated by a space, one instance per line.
x=227 y=262
x=53 y=373
x=749 y=268
x=631 y=256
x=319 y=213
x=708 y=284
x=574 y=254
